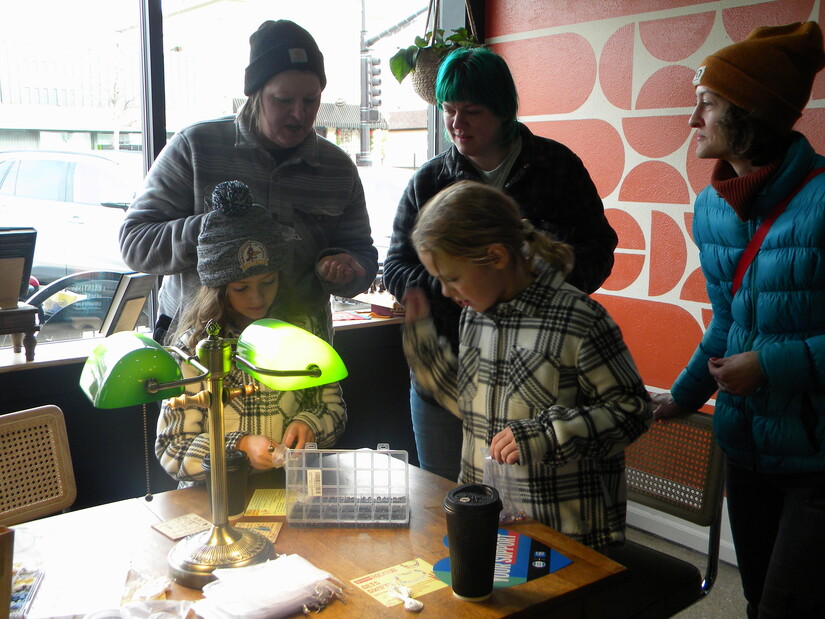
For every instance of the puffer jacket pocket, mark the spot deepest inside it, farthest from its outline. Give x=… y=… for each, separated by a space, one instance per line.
x=785 y=426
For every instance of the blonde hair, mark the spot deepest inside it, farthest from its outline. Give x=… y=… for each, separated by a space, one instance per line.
x=211 y=303
x=465 y=219
x=250 y=113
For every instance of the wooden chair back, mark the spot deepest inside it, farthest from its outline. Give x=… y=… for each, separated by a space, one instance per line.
x=37 y=475
x=677 y=468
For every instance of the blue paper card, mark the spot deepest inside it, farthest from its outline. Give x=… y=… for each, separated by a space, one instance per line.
x=519 y=559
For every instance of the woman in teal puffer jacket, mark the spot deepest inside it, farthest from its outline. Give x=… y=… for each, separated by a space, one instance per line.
x=764 y=350
x=777 y=315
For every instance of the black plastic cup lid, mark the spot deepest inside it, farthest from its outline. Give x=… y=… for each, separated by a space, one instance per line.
x=472 y=497
x=234 y=458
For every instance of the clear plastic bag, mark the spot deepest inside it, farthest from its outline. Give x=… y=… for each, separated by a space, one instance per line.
x=500 y=477
x=279 y=456
x=278 y=588
x=155 y=609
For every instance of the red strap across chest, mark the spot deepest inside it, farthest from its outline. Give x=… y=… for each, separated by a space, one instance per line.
x=756 y=241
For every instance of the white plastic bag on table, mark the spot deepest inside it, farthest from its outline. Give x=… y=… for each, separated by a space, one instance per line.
x=279 y=588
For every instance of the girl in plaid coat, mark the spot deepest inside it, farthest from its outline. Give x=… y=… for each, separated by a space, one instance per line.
x=543 y=377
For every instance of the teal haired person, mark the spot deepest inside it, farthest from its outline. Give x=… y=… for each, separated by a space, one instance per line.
x=477 y=95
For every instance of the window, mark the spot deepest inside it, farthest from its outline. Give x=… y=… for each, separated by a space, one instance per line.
x=206 y=51
x=71 y=108
x=70 y=102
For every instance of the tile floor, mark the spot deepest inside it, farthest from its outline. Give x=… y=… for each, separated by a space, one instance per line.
x=725 y=601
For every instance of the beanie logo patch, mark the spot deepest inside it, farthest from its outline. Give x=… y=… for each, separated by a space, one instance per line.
x=298 y=55
x=697 y=79
x=252 y=253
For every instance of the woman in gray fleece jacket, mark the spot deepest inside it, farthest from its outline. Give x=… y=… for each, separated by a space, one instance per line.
x=308 y=183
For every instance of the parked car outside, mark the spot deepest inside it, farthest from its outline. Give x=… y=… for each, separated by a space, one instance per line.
x=75 y=200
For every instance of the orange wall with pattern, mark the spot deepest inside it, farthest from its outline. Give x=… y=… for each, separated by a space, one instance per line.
x=612 y=80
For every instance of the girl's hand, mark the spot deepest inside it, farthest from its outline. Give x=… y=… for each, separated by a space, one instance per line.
x=339 y=268
x=297 y=435
x=257 y=448
x=503 y=447
x=665 y=406
x=415 y=305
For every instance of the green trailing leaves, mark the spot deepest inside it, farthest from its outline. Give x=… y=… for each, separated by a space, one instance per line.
x=404 y=60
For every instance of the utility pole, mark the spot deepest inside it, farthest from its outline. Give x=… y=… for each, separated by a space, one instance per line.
x=371 y=82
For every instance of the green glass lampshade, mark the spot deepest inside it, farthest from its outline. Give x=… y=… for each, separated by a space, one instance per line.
x=116 y=371
x=276 y=345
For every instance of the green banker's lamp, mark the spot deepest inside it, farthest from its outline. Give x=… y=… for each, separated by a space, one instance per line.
x=128 y=368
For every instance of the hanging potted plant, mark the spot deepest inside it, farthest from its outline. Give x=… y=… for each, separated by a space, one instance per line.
x=421 y=60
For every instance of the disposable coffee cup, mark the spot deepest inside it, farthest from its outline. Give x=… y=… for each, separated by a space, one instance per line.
x=237 y=472
x=472 y=533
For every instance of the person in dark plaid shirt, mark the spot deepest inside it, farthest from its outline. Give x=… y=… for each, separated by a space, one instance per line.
x=271 y=145
x=542 y=377
x=552 y=187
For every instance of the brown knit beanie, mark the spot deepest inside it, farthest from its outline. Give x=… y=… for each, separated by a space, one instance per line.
x=769 y=74
x=278 y=46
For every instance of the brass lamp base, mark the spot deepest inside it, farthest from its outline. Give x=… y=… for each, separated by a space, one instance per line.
x=194 y=558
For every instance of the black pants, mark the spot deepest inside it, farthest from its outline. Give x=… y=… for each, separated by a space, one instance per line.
x=778 y=526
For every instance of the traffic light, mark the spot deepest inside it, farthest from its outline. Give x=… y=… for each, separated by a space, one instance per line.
x=374 y=81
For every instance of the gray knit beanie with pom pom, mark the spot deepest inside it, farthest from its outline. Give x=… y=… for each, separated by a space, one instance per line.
x=239 y=239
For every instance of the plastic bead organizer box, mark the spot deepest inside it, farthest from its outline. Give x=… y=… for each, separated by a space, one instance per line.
x=347 y=488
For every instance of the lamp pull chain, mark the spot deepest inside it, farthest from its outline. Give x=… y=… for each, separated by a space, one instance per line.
x=148 y=496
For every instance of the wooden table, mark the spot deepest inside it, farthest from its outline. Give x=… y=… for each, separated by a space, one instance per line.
x=105 y=536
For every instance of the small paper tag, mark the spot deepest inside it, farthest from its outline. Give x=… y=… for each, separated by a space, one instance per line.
x=179 y=527
x=314 y=485
x=267 y=502
x=269 y=530
x=416 y=574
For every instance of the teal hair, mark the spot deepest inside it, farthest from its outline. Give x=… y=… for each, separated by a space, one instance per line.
x=479 y=75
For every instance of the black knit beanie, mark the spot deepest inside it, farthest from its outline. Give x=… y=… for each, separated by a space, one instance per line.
x=238 y=239
x=278 y=46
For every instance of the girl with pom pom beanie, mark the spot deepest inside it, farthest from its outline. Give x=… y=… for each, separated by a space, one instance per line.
x=242 y=250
